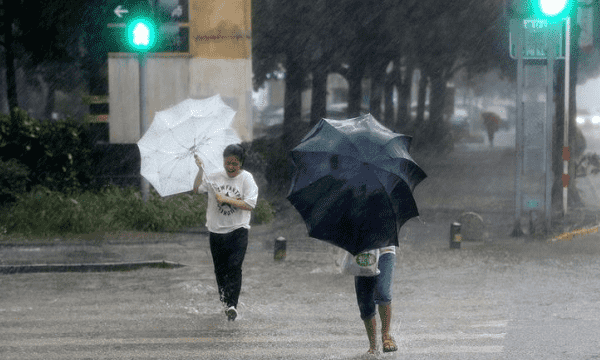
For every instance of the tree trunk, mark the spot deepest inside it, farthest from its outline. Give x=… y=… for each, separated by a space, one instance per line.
x=377 y=79
x=292 y=110
x=93 y=71
x=9 y=56
x=355 y=75
x=423 y=82
x=388 y=93
x=50 y=99
x=403 y=118
x=558 y=138
x=576 y=139
x=319 y=95
x=436 y=107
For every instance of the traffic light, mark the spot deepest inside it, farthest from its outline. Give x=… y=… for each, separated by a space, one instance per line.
x=141 y=34
x=137 y=26
x=552 y=10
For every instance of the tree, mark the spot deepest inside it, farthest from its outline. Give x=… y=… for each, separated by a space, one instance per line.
x=446 y=40
x=37 y=34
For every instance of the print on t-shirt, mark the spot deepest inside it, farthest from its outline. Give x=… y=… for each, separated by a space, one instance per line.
x=229 y=191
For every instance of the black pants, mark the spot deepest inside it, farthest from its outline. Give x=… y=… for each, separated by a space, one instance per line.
x=228 y=251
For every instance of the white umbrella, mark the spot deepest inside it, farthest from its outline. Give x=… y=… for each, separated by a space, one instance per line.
x=167 y=149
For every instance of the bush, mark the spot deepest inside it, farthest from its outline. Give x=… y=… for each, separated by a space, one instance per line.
x=46 y=212
x=263 y=213
x=277 y=167
x=13 y=180
x=57 y=153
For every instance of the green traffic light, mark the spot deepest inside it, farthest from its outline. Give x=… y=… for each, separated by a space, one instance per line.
x=141 y=34
x=552 y=7
x=553 y=10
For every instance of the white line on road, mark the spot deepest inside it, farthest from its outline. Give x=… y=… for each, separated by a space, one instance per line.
x=246 y=354
x=499 y=323
x=69 y=341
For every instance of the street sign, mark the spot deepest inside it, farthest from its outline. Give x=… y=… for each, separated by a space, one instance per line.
x=538 y=38
x=122 y=11
x=165 y=11
x=172 y=11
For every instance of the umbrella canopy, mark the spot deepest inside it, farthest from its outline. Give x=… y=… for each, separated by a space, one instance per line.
x=167 y=149
x=352 y=183
x=491 y=120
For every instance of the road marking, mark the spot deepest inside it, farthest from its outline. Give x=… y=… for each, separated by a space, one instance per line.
x=66 y=341
x=457 y=350
x=498 y=323
x=247 y=354
x=453 y=337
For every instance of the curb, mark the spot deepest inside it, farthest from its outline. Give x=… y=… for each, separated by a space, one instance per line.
x=99 y=267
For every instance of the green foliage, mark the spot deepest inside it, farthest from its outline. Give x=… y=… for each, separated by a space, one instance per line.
x=46 y=212
x=277 y=168
x=57 y=153
x=263 y=213
x=13 y=180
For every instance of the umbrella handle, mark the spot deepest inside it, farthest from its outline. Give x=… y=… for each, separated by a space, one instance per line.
x=200 y=164
x=205 y=179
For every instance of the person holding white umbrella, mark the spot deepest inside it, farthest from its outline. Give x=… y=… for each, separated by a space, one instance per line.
x=232 y=195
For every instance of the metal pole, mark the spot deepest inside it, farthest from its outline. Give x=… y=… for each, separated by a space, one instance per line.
x=518 y=231
x=550 y=48
x=143 y=116
x=567 y=96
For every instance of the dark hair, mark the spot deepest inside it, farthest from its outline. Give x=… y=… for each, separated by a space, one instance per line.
x=236 y=150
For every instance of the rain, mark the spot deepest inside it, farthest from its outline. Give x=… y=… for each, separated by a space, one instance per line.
x=463 y=138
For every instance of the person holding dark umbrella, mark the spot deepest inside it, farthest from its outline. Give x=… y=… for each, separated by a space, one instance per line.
x=352 y=183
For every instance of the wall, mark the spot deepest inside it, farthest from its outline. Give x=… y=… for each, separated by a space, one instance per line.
x=167 y=84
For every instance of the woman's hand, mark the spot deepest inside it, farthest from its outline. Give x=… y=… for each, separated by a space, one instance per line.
x=239 y=203
x=221 y=198
x=198 y=179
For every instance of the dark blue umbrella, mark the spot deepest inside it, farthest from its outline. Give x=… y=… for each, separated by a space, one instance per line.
x=353 y=182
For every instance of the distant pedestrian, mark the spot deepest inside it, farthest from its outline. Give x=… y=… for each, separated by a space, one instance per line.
x=491 y=122
x=376 y=291
x=232 y=195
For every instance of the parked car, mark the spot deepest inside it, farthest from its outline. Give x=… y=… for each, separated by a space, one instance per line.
x=585 y=119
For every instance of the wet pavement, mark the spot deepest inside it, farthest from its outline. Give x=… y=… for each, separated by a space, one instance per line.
x=494 y=298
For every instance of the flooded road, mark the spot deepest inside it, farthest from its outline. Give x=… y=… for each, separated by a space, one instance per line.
x=498 y=298
x=526 y=300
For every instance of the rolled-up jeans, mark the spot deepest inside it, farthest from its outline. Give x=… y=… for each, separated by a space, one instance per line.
x=375 y=290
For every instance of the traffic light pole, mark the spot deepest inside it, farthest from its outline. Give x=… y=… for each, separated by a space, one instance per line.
x=145 y=185
x=550 y=111
x=567 y=98
x=519 y=125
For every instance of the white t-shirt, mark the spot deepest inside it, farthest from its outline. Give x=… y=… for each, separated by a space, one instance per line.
x=222 y=219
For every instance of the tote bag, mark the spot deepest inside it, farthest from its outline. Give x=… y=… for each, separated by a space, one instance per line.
x=363 y=264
